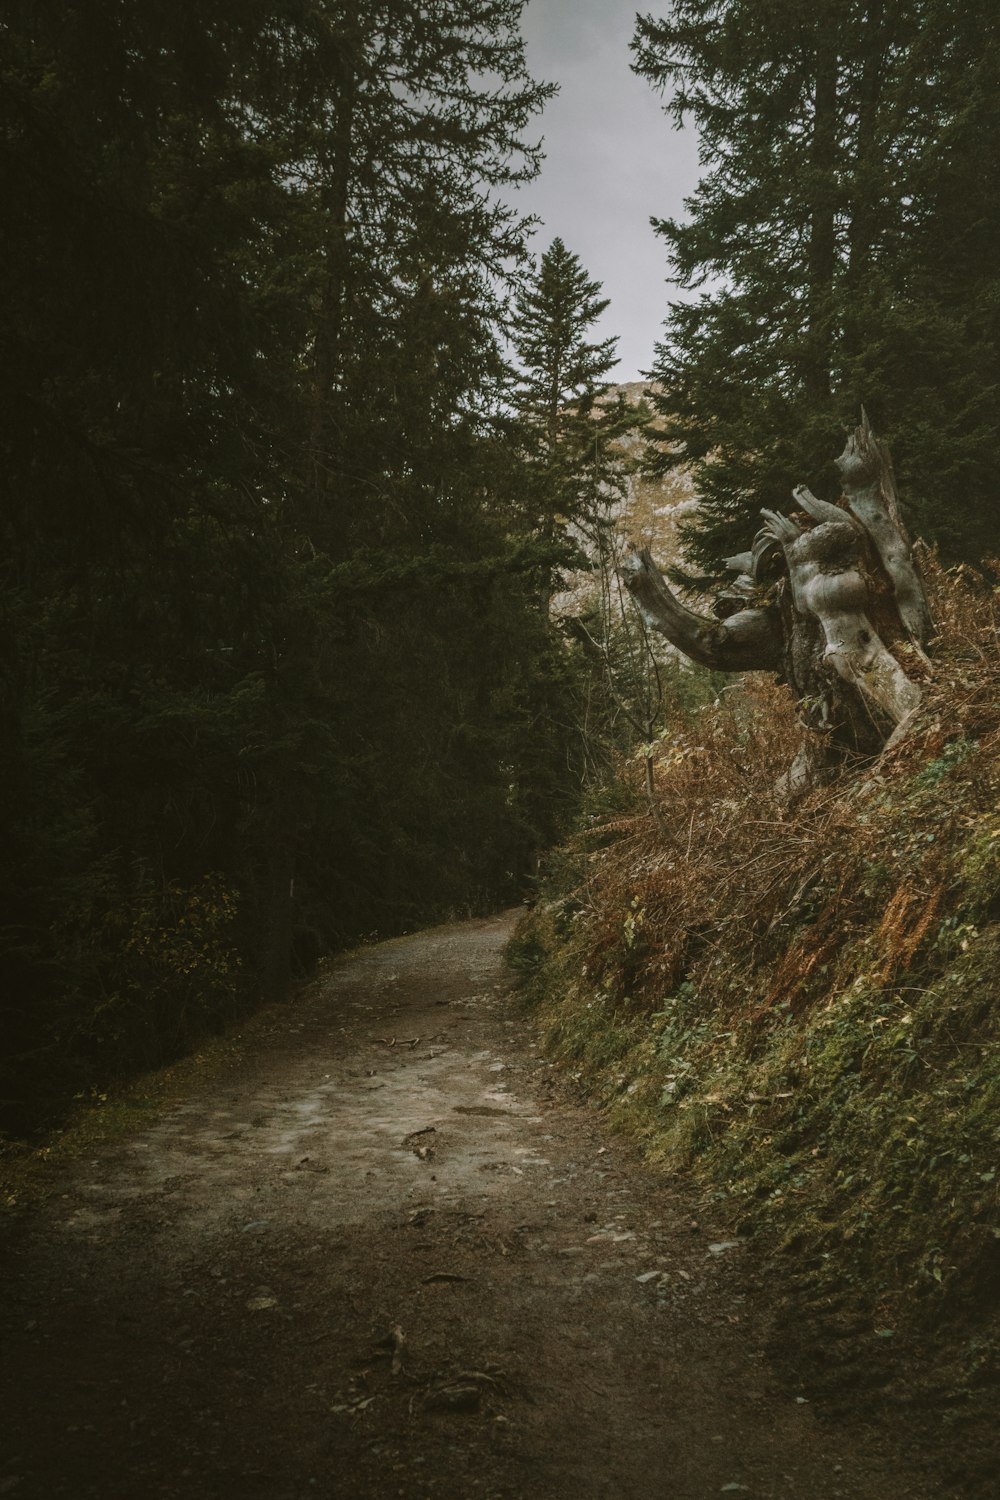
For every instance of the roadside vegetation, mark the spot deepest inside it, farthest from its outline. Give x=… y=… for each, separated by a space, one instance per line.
x=798 y=1005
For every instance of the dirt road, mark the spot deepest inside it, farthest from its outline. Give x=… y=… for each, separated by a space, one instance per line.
x=384 y=1255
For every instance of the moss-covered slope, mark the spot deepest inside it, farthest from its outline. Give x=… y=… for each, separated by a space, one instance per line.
x=801 y=1008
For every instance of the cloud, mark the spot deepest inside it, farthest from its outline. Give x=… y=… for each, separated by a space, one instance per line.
x=613 y=160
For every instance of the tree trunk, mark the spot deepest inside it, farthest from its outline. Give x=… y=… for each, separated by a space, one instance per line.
x=745 y=642
x=334 y=165
x=822 y=228
x=866 y=178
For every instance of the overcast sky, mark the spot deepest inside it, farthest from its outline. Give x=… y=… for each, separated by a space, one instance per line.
x=612 y=160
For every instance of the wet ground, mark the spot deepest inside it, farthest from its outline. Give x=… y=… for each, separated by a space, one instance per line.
x=383 y=1253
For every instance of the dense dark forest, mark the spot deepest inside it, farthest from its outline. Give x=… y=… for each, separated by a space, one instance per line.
x=277 y=666
x=300 y=433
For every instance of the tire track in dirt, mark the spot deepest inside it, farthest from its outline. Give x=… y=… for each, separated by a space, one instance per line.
x=386 y=1255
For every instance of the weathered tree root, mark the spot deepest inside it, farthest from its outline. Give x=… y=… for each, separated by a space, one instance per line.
x=848 y=592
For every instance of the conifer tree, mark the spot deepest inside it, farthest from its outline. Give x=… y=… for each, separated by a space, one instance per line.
x=413 y=244
x=559 y=379
x=273 y=672
x=818 y=241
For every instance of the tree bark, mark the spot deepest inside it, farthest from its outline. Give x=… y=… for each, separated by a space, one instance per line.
x=866 y=178
x=822 y=228
x=870 y=489
x=747 y=641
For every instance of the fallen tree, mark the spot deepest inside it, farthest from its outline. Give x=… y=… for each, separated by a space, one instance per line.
x=831 y=598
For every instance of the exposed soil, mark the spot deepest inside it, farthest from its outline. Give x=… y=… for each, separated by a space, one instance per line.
x=384 y=1254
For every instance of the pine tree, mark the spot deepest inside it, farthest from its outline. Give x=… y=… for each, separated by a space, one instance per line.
x=559 y=380
x=934 y=304
x=817 y=246
x=273 y=658
x=413 y=244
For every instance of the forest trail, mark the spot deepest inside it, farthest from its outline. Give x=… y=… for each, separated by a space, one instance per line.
x=384 y=1254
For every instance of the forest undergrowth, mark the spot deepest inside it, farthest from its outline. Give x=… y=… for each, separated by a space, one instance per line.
x=799 y=1007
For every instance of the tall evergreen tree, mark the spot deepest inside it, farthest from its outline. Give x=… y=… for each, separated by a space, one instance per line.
x=561 y=369
x=816 y=245
x=559 y=380
x=273 y=672
x=413 y=245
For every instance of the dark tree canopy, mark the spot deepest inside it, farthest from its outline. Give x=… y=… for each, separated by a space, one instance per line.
x=273 y=673
x=840 y=244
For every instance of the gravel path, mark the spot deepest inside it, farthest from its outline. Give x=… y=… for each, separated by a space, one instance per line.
x=383 y=1254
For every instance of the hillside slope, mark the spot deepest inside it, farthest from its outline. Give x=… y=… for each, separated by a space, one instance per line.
x=800 y=1008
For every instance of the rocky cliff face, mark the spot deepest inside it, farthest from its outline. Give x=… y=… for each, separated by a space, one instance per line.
x=647 y=516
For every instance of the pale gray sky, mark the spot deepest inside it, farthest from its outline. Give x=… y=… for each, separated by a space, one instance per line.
x=612 y=160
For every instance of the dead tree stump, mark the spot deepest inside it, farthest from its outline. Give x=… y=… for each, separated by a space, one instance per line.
x=831 y=599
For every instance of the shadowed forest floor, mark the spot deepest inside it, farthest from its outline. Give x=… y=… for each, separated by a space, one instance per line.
x=382 y=1253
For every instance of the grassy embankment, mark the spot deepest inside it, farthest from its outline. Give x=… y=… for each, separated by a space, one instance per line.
x=800 y=1007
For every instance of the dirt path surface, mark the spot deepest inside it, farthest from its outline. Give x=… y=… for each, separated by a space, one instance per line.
x=385 y=1255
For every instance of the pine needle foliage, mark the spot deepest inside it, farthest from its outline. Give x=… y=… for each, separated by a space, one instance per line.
x=836 y=253
x=563 y=429
x=272 y=676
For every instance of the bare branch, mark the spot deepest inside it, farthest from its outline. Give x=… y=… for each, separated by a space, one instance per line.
x=748 y=641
